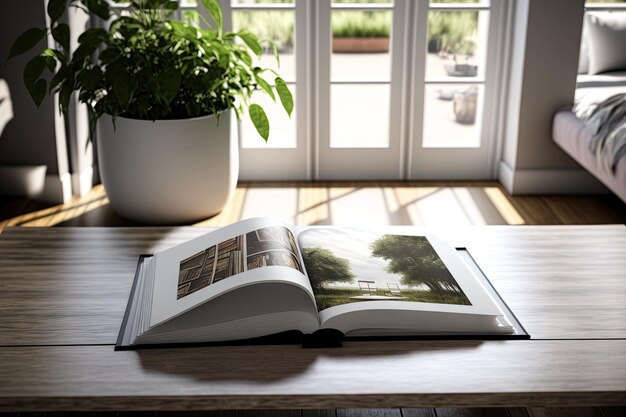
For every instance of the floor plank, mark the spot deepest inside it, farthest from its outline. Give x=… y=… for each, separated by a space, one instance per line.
x=471 y=412
x=82 y=414
x=418 y=412
x=517 y=412
x=269 y=413
x=319 y=413
x=358 y=412
x=136 y=414
x=200 y=413
x=566 y=412
x=613 y=411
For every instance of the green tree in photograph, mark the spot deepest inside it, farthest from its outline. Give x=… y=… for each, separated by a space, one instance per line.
x=323 y=266
x=416 y=261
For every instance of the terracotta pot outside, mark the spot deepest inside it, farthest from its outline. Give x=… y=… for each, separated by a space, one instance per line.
x=361 y=45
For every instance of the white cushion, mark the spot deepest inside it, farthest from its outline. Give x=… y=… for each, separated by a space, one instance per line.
x=606 y=41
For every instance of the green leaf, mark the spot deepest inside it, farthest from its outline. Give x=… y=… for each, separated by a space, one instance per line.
x=245 y=57
x=65 y=94
x=215 y=11
x=90 y=78
x=98 y=7
x=259 y=119
x=56 y=9
x=58 y=78
x=109 y=55
x=83 y=51
x=284 y=94
x=265 y=86
x=51 y=58
x=169 y=82
x=275 y=50
x=61 y=34
x=122 y=90
x=92 y=36
x=38 y=91
x=33 y=70
x=26 y=41
x=251 y=41
x=35 y=86
x=54 y=54
x=171 y=6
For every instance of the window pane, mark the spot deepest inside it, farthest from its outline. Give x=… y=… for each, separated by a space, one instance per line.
x=277 y=26
x=359 y=116
x=362 y=1
x=457 y=43
x=235 y=2
x=452 y=115
x=481 y=2
x=282 y=128
x=361 y=46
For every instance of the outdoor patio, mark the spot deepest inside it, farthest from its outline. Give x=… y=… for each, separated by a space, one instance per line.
x=355 y=103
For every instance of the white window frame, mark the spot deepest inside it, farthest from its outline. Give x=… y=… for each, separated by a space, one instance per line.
x=452 y=163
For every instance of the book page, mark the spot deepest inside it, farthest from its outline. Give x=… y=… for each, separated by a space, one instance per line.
x=248 y=252
x=352 y=270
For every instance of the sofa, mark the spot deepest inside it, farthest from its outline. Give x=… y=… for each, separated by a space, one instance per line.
x=602 y=74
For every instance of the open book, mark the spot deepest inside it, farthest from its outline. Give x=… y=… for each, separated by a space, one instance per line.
x=260 y=277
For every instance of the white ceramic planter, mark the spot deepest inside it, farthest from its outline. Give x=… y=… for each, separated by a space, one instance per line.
x=168 y=171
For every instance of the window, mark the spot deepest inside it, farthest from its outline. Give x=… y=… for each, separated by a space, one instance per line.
x=383 y=89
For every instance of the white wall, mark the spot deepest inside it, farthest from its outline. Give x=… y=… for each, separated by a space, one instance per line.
x=28 y=141
x=543 y=67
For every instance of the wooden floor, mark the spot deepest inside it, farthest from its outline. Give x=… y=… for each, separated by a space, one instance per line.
x=412 y=412
x=432 y=204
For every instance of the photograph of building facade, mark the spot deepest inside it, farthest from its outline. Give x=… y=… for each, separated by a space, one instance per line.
x=272 y=246
x=263 y=247
x=210 y=266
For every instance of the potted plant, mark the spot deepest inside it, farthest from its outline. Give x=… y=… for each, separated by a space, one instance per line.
x=366 y=32
x=160 y=93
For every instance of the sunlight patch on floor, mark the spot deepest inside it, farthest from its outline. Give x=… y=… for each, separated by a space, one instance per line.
x=275 y=202
x=52 y=216
x=317 y=205
x=312 y=206
x=361 y=207
x=500 y=201
x=441 y=208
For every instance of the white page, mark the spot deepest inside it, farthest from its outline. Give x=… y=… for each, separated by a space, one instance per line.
x=350 y=244
x=166 y=301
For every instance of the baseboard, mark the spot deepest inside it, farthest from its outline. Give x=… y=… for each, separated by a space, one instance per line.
x=57 y=189
x=82 y=182
x=549 y=181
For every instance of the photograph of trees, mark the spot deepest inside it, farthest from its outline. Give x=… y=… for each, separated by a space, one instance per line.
x=347 y=266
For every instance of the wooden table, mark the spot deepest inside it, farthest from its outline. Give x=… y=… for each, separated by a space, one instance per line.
x=63 y=292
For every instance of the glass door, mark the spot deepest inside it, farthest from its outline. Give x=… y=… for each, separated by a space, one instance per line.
x=457 y=72
x=285 y=156
x=383 y=89
x=360 y=52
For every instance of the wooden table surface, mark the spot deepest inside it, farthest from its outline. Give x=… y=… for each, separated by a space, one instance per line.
x=63 y=292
